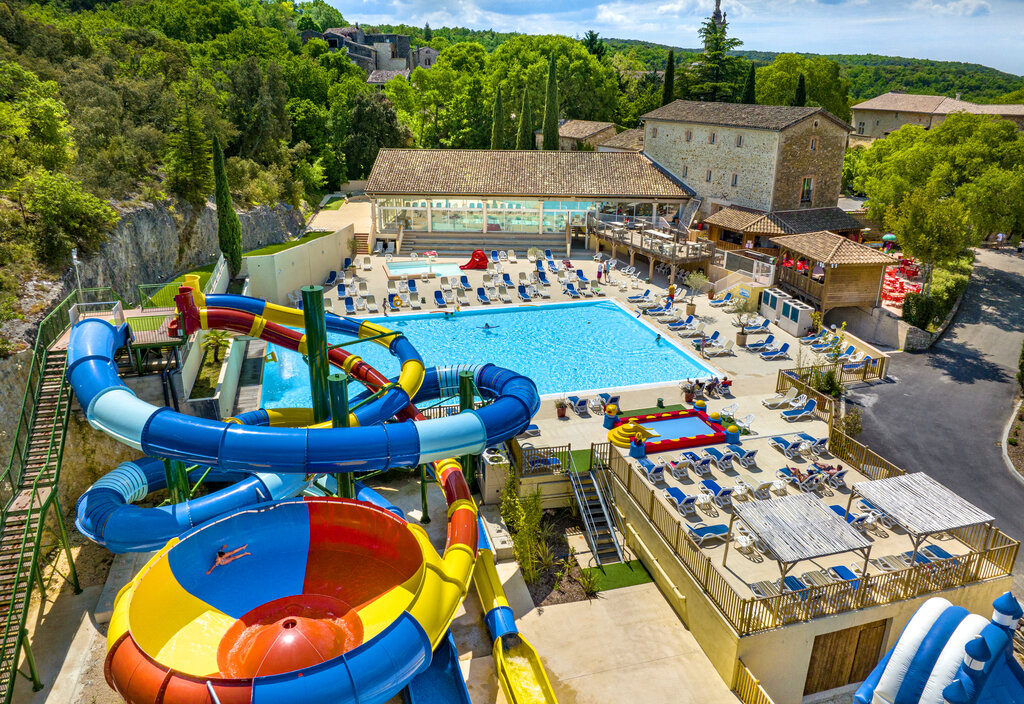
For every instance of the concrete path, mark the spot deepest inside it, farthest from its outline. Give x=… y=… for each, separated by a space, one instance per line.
x=946 y=409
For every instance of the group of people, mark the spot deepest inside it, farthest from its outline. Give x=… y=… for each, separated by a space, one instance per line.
x=712 y=387
x=820 y=468
x=605 y=270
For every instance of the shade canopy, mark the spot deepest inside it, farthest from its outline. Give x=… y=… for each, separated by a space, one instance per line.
x=799 y=527
x=920 y=505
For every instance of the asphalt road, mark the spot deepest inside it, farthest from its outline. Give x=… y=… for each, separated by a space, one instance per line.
x=944 y=411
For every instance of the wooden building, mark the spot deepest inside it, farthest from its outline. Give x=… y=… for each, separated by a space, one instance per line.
x=751 y=228
x=830 y=271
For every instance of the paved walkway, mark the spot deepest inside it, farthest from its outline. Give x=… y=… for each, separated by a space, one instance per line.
x=947 y=410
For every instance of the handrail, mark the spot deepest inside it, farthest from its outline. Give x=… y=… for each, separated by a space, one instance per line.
x=748 y=688
x=607 y=516
x=599 y=475
x=589 y=527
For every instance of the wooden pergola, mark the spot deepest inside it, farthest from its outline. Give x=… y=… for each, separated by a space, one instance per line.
x=921 y=506
x=796 y=528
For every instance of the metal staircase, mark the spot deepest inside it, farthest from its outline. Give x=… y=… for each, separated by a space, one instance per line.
x=29 y=492
x=595 y=510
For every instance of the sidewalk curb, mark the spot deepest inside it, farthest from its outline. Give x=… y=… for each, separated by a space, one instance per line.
x=1002 y=443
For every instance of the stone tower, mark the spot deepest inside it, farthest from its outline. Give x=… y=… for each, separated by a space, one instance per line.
x=718 y=17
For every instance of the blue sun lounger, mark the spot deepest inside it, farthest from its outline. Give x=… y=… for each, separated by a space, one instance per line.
x=777 y=354
x=464 y=283
x=439 y=300
x=412 y=286
x=817 y=445
x=507 y=280
x=332 y=279
x=743 y=456
x=754 y=329
x=788 y=447
x=798 y=413
x=523 y=295
x=701 y=466
x=761 y=344
x=681 y=325
x=578 y=405
x=494 y=256
x=720 y=495
x=350 y=306
x=721 y=301
x=702 y=532
x=552 y=267
x=341 y=291
x=548 y=255
x=654 y=472
x=641 y=297
x=571 y=291
x=708 y=341
x=481 y=295
x=686 y=505
x=579 y=275
x=389 y=304
x=843 y=573
x=812 y=339
x=722 y=459
x=540 y=266
x=543 y=278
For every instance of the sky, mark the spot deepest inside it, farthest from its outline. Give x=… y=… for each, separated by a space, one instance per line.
x=989 y=32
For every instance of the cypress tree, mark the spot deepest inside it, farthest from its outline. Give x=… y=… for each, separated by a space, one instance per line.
x=229 y=230
x=498 y=122
x=668 y=90
x=551 y=109
x=801 y=92
x=524 y=139
x=750 y=88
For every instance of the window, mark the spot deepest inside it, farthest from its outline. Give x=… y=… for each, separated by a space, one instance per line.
x=815 y=124
x=739 y=140
x=689 y=135
x=806 y=190
x=860 y=128
x=814 y=143
x=685 y=170
x=897 y=116
x=654 y=132
x=735 y=180
x=708 y=177
x=711 y=138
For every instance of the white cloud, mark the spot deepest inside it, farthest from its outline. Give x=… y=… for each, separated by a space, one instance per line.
x=958 y=8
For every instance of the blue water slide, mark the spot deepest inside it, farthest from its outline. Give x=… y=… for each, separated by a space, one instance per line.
x=442 y=682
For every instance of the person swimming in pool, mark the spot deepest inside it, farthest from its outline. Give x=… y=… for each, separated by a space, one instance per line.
x=488 y=326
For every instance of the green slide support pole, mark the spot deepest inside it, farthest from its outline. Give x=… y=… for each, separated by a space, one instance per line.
x=177 y=481
x=466 y=403
x=339 y=419
x=423 y=494
x=316 y=350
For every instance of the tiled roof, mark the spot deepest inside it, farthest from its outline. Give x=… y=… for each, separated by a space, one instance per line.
x=762 y=117
x=934 y=105
x=830 y=248
x=379 y=77
x=768 y=225
x=521 y=173
x=630 y=140
x=817 y=219
x=581 y=129
x=342 y=31
x=734 y=218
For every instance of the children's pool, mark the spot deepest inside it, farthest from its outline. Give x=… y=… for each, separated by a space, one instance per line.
x=563 y=347
x=417 y=268
x=683 y=427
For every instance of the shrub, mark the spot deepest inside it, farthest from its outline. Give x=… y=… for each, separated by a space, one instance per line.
x=948 y=283
x=588 y=580
x=511 y=507
x=827 y=382
x=851 y=422
x=1020 y=373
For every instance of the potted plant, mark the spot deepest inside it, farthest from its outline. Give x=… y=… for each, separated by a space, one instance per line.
x=561 y=407
x=695 y=282
x=688 y=391
x=743 y=306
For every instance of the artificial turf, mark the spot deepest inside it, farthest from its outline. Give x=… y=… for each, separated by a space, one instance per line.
x=624 y=574
x=281 y=246
x=648 y=411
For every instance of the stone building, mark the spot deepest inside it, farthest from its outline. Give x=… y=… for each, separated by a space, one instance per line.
x=877 y=117
x=765 y=157
x=375 y=52
x=576 y=135
x=625 y=141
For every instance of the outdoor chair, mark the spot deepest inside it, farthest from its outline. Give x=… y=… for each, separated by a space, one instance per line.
x=686 y=505
x=780 y=399
x=701 y=532
x=789 y=447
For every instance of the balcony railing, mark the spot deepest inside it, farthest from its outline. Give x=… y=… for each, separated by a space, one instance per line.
x=987 y=560
x=669 y=244
x=800 y=282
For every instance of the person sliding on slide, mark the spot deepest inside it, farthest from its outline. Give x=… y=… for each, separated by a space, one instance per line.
x=224 y=556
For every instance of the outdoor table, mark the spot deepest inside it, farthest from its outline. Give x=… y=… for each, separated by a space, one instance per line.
x=744 y=543
x=742 y=490
x=778 y=485
x=704 y=499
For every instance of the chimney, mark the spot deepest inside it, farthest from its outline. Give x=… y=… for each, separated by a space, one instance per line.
x=958 y=96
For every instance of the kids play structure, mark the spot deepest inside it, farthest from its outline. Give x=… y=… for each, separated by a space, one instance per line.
x=270 y=589
x=946 y=655
x=477 y=260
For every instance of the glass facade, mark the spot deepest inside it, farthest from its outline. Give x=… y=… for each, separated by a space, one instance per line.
x=481 y=215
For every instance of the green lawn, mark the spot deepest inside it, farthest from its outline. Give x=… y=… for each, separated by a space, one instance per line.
x=164 y=297
x=621 y=575
x=334 y=203
x=282 y=246
x=146 y=323
x=581 y=460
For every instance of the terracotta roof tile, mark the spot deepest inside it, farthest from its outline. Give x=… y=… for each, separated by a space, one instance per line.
x=817 y=219
x=934 y=105
x=380 y=76
x=581 y=129
x=631 y=140
x=763 y=117
x=734 y=218
x=521 y=173
x=830 y=248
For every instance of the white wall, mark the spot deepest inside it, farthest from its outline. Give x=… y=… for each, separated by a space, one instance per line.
x=273 y=276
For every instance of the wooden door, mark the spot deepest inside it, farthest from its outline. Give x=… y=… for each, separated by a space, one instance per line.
x=843 y=657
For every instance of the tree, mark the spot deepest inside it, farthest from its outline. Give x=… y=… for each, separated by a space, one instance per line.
x=307 y=23
x=825 y=86
x=325 y=16
x=229 y=230
x=216 y=340
x=550 y=140
x=428 y=33
x=994 y=203
x=188 y=155
x=929 y=227
x=374 y=126
x=717 y=72
x=668 y=91
x=498 y=122
x=594 y=45
x=524 y=138
x=800 y=99
x=750 y=87
x=61 y=215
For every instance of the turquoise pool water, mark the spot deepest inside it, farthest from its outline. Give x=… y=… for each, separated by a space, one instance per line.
x=417 y=268
x=685 y=427
x=563 y=347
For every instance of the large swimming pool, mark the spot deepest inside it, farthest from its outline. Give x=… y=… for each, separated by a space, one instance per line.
x=563 y=347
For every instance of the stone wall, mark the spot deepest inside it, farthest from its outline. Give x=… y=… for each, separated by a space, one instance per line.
x=153 y=243
x=797 y=161
x=753 y=162
x=88 y=455
x=13 y=373
x=879 y=123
